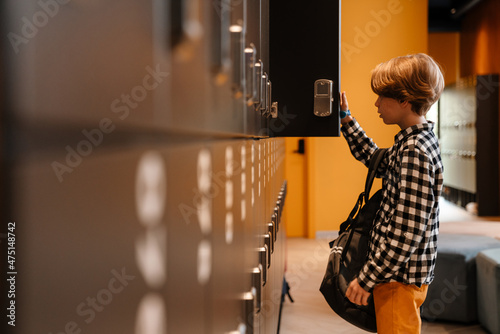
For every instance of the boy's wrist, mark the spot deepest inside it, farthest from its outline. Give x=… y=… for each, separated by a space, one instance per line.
x=346 y=119
x=345 y=116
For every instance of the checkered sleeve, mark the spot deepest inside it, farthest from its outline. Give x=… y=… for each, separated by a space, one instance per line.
x=402 y=230
x=362 y=147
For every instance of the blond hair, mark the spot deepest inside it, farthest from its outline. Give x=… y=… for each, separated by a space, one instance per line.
x=415 y=78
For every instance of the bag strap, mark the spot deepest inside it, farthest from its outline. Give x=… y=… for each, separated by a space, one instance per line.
x=372 y=169
x=374 y=162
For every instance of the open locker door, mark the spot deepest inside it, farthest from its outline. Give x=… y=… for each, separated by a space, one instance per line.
x=305 y=47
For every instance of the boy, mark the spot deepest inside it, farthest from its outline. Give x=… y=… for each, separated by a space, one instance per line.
x=402 y=256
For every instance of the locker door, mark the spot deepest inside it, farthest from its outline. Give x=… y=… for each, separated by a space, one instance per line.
x=304 y=47
x=91 y=252
x=230 y=281
x=78 y=63
x=191 y=256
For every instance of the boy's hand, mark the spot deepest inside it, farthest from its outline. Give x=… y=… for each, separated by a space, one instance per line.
x=344 y=106
x=343 y=102
x=356 y=294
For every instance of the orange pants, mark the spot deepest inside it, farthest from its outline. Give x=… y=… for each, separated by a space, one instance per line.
x=397 y=307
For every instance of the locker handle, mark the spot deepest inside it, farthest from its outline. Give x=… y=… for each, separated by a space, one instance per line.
x=268 y=243
x=258 y=83
x=269 y=99
x=274 y=220
x=248 y=311
x=221 y=42
x=264 y=91
x=237 y=51
x=271 y=229
x=278 y=210
x=262 y=251
x=257 y=285
x=250 y=54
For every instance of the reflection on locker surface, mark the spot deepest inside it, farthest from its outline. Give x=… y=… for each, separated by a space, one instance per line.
x=146 y=192
x=132 y=230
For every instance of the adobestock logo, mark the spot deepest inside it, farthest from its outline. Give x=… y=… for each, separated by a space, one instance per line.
x=31 y=26
x=98 y=302
x=365 y=34
x=122 y=108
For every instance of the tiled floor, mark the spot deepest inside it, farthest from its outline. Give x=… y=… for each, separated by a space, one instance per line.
x=307 y=258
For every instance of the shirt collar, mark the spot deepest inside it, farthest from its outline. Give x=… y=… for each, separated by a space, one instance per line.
x=429 y=126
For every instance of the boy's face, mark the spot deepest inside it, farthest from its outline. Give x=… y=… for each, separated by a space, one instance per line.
x=390 y=110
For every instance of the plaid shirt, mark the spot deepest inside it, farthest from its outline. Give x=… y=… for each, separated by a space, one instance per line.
x=404 y=237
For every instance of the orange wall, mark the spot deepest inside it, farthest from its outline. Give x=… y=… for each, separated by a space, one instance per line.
x=295 y=213
x=480 y=39
x=372 y=32
x=445 y=49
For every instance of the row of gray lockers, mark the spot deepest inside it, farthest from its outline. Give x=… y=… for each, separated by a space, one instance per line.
x=159 y=238
x=141 y=189
x=126 y=207
x=183 y=66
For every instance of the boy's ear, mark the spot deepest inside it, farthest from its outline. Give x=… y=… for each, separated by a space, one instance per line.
x=403 y=103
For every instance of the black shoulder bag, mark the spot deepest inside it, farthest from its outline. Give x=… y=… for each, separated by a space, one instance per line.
x=348 y=255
